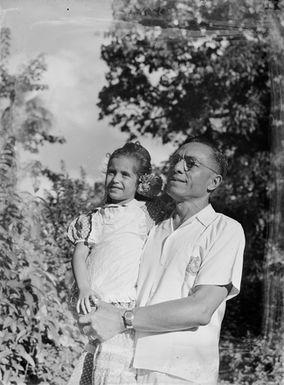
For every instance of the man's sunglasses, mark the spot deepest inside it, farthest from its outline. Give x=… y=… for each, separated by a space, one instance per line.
x=189 y=162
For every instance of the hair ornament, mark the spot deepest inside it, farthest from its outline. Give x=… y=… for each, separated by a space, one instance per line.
x=150 y=185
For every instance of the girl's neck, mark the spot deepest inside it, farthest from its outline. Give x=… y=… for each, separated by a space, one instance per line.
x=110 y=201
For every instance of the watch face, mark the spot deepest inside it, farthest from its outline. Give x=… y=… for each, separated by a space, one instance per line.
x=128 y=316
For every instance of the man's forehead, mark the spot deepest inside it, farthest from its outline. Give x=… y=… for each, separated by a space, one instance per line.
x=195 y=149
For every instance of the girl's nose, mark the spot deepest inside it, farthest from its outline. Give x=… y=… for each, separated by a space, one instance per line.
x=116 y=178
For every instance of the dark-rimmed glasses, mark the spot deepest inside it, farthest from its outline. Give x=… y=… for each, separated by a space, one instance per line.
x=189 y=162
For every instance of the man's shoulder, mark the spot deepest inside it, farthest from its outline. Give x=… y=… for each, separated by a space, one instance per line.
x=224 y=222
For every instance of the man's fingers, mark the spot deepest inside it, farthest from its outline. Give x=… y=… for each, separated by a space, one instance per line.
x=87 y=318
x=90 y=332
x=88 y=326
x=87 y=330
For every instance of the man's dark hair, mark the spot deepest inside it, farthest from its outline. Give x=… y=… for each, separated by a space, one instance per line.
x=218 y=156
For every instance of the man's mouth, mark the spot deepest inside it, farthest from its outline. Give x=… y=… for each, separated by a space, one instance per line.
x=176 y=179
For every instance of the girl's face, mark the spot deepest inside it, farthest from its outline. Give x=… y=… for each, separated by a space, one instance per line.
x=121 y=179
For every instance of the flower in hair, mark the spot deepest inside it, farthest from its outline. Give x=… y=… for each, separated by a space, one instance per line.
x=150 y=185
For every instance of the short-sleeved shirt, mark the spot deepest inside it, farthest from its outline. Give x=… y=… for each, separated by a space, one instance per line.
x=116 y=235
x=207 y=249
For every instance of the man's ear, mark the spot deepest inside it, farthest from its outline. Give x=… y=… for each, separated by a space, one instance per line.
x=215 y=182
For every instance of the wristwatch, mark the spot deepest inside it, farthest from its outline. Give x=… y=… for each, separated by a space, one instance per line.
x=128 y=317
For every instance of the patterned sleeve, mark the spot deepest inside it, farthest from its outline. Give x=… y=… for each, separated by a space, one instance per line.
x=155 y=212
x=80 y=229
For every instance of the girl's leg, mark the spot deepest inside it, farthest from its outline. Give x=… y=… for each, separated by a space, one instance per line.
x=113 y=362
x=82 y=373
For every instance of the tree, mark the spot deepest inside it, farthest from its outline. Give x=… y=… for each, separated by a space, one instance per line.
x=37 y=331
x=274 y=283
x=216 y=85
x=189 y=69
x=24 y=116
x=24 y=121
x=66 y=199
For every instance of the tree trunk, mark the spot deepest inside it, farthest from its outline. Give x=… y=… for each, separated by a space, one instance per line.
x=273 y=281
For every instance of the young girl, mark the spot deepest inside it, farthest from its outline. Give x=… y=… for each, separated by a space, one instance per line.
x=108 y=245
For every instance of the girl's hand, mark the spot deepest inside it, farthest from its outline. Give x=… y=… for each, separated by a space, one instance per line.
x=86 y=296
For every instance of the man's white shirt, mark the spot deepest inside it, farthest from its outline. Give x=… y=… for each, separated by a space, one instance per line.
x=207 y=249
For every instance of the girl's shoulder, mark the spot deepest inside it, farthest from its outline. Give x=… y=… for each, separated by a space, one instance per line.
x=81 y=226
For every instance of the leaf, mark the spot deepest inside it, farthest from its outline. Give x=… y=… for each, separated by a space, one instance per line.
x=51 y=277
x=29 y=300
x=5 y=353
x=21 y=334
x=7 y=322
x=14 y=283
x=22 y=352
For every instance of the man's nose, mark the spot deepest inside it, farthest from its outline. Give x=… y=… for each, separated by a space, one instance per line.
x=179 y=166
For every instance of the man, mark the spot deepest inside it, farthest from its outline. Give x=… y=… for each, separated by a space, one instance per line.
x=191 y=265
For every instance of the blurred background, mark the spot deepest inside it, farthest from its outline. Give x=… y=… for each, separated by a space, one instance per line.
x=79 y=79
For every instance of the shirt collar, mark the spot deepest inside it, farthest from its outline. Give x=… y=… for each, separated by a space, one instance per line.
x=133 y=202
x=205 y=216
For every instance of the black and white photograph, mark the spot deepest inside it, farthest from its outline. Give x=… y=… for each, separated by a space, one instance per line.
x=142 y=192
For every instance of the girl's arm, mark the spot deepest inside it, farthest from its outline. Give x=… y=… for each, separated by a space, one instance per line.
x=81 y=276
x=175 y=315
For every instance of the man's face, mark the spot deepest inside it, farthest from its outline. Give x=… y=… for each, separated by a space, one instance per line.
x=191 y=172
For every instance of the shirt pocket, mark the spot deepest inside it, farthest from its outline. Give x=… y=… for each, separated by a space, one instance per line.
x=192 y=268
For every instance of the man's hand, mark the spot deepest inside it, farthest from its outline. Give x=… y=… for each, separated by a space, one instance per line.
x=85 y=294
x=104 y=322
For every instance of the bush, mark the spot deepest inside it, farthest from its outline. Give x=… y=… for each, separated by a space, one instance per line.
x=250 y=361
x=38 y=337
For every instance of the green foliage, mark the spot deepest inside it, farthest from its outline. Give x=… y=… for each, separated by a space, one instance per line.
x=160 y=83
x=39 y=338
x=201 y=77
x=24 y=116
x=171 y=87
x=37 y=331
x=67 y=198
x=192 y=15
x=38 y=334
x=251 y=361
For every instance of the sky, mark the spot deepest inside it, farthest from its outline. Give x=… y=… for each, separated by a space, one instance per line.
x=70 y=34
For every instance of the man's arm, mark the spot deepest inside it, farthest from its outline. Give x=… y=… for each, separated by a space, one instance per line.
x=185 y=313
x=179 y=314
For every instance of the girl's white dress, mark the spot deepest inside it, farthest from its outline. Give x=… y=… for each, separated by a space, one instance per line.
x=116 y=235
